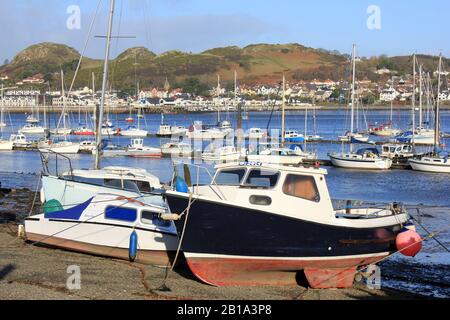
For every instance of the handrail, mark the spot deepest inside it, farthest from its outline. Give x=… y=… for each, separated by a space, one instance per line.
x=44 y=161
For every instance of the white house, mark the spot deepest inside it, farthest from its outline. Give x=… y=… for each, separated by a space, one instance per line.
x=388 y=95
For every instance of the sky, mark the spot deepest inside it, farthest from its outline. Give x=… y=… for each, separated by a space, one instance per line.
x=400 y=27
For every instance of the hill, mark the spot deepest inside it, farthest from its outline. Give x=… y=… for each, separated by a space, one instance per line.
x=255 y=64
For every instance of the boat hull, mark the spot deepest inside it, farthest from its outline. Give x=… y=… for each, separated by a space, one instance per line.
x=89 y=236
x=6 y=145
x=419 y=165
x=376 y=164
x=233 y=245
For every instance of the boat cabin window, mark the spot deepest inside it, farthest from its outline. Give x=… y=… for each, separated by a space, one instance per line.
x=121 y=214
x=153 y=218
x=262 y=178
x=130 y=186
x=260 y=200
x=114 y=183
x=230 y=177
x=304 y=187
x=144 y=186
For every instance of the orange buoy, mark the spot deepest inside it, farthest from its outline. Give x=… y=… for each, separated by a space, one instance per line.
x=409 y=243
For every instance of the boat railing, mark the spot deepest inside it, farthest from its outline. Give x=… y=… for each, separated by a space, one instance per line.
x=368 y=209
x=45 y=161
x=198 y=169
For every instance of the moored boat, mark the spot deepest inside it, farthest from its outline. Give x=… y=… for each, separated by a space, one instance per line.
x=265 y=225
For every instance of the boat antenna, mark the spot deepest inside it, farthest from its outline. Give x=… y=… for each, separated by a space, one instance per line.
x=104 y=84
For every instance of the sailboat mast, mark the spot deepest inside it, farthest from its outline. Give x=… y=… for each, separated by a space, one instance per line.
x=239 y=110
x=283 y=112
x=392 y=102
x=218 y=98
x=436 y=125
x=413 y=98
x=420 y=97
x=352 y=128
x=64 y=100
x=104 y=84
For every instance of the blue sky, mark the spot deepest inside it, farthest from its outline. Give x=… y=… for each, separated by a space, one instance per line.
x=407 y=26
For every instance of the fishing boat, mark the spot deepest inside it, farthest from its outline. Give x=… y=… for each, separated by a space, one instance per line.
x=268 y=225
x=175 y=148
x=438 y=161
x=20 y=141
x=365 y=158
x=167 y=131
x=107 y=211
x=398 y=152
x=292 y=136
x=103 y=225
x=137 y=150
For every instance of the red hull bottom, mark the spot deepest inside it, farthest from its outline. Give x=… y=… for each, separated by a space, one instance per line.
x=321 y=274
x=84 y=134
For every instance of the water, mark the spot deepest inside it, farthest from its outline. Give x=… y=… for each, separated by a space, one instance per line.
x=427 y=274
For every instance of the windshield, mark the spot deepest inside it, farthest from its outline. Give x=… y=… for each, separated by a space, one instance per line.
x=230 y=177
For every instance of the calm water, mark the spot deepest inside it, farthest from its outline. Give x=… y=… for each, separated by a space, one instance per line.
x=396 y=185
x=427 y=274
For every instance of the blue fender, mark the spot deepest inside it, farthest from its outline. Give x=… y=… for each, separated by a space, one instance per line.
x=132 y=252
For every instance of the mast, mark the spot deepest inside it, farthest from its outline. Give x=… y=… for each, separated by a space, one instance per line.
x=392 y=102
x=64 y=101
x=218 y=98
x=420 y=97
x=413 y=98
x=352 y=128
x=436 y=124
x=283 y=112
x=93 y=96
x=104 y=84
x=239 y=110
x=428 y=98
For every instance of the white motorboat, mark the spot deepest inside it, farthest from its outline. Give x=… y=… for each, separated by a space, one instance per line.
x=61 y=147
x=87 y=146
x=275 y=155
x=354 y=137
x=281 y=221
x=133 y=131
x=397 y=151
x=103 y=225
x=431 y=164
x=367 y=159
x=61 y=131
x=179 y=149
x=20 y=141
x=222 y=154
x=201 y=132
x=137 y=150
x=256 y=133
x=167 y=131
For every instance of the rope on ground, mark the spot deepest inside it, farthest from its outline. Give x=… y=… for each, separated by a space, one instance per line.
x=35 y=195
x=430 y=234
x=186 y=212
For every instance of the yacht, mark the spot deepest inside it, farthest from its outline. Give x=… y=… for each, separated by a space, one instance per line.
x=222 y=154
x=270 y=154
x=265 y=225
x=32 y=128
x=201 y=132
x=385 y=130
x=61 y=147
x=420 y=137
x=365 y=158
x=87 y=146
x=174 y=148
x=84 y=131
x=133 y=131
x=137 y=150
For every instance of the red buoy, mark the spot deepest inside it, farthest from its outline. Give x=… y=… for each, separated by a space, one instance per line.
x=409 y=243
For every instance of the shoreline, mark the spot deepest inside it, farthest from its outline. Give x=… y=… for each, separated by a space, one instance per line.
x=175 y=110
x=40 y=272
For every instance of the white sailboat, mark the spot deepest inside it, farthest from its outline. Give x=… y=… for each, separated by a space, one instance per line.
x=439 y=161
x=273 y=154
x=367 y=158
x=107 y=212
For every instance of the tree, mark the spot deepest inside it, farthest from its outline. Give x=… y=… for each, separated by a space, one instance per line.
x=194 y=86
x=6 y=62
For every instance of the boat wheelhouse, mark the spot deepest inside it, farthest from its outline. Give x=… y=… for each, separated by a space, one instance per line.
x=263 y=225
